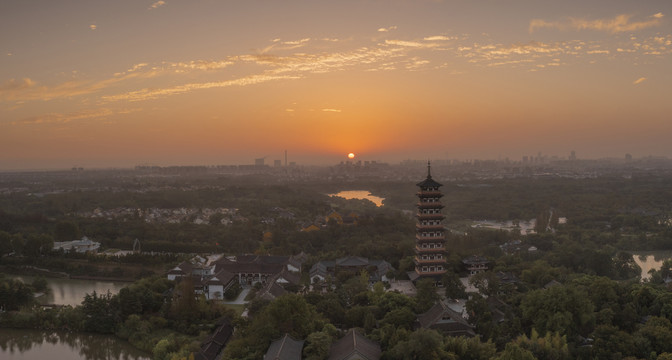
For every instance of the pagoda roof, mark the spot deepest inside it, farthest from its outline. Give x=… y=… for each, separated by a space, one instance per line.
x=428 y=182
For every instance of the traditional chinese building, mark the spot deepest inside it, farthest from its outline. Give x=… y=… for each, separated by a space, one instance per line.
x=430 y=240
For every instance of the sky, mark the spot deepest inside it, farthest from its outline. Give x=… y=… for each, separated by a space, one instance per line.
x=96 y=84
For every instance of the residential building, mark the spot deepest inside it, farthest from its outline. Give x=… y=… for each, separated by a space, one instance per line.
x=80 y=246
x=285 y=348
x=446 y=320
x=354 y=346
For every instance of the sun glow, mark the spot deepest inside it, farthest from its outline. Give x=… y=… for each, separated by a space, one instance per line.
x=351 y=155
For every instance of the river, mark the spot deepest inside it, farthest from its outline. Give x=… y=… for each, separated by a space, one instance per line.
x=360 y=194
x=72 y=291
x=20 y=344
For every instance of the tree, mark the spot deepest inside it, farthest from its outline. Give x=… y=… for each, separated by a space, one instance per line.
x=66 y=231
x=14 y=294
x=551 y=347
x=561 y=309
x=318 y=343
x=515 y=352
x=470 y=348
x=35 y=245
x=426 y=295
x=101 y=313
x=5 y=243
x=289 y=314
x=400 y=318
x=423 y=344
x=453 y=286
x=486 y=282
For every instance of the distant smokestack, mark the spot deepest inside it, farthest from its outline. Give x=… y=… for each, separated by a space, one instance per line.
x=285 y=157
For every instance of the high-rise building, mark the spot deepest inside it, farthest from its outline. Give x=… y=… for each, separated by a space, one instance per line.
x=430 y=239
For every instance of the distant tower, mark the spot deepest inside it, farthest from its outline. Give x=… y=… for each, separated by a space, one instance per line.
x=430 y=240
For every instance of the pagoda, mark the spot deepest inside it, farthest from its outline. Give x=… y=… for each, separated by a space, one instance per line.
x=430 y=240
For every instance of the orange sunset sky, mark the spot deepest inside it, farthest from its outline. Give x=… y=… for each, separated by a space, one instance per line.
x=206 y=82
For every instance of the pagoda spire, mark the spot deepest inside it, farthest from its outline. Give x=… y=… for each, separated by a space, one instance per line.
x=429 y=170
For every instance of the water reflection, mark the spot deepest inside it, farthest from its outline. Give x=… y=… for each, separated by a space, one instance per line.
x=35 y=344
x=360 y=194
x=72 y=291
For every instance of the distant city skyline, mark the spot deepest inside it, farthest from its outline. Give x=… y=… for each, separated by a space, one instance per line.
x=126 y=83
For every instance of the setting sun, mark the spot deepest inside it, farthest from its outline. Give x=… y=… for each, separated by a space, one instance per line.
x=351 y=155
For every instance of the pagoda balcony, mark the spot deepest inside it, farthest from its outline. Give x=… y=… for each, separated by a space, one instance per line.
x=419 y=261
x=435 y=272
x=429 y=205
x=419 y=237
x=434 y=193
x=430 y=250
x=430 y=227
x=438 y=216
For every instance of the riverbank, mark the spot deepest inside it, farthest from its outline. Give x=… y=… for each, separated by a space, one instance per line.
x=28 y=270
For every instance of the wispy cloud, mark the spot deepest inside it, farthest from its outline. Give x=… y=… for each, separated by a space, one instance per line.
x=13 y=85
x=57 y=118
x=387 y=29
x=618 y=24
x=639 y=81
x=332 y=110
x=148 y=94
x=157 y=4
x=439 y=38
x=279 y=62
x=413 y=44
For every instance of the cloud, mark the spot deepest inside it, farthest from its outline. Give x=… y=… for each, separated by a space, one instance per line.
x=201 y=65
x=13 y=85
x=331 y=110
x=157 y=4
x=618 y=24
x=639 y=81
x=387 y=29
x=296 y=42
x=413 y=44
x=93 y=27
x=320 y=56
x=57 y=118
x=279 y=45
x=439 y=38
x=149 y=94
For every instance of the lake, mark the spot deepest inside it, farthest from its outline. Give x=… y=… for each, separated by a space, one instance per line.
x=360 y=194
x=650 y=260
x=21 y=344
x=72 y=291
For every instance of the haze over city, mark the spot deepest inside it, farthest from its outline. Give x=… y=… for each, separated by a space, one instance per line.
x=122 y=83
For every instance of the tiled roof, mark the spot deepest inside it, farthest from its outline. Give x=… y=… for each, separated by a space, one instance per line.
x=285 y=348
x=353 y=344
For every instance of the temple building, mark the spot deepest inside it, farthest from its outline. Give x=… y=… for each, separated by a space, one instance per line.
x=430 y=240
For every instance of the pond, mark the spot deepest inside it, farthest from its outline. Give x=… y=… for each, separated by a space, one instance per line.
x=24 y=344
x=650 y=260
x=360 y=194
x=72 y=291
